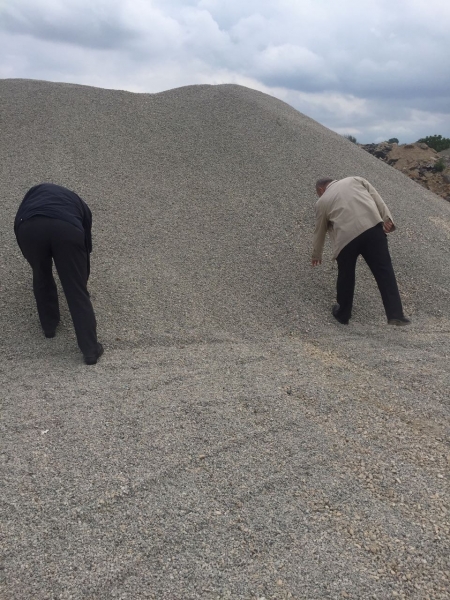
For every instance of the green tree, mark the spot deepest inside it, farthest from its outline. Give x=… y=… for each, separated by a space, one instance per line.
x=437 y=142
x=393 y=141
x=350 y=138
x=439 y=165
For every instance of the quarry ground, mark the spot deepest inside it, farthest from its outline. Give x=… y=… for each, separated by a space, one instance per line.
x=301 y=467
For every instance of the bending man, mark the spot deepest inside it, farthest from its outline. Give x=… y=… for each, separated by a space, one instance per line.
x=54 y=223
x=357 y=219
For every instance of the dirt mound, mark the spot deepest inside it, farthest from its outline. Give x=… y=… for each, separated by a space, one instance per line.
x=202 y=200
x=418 y=162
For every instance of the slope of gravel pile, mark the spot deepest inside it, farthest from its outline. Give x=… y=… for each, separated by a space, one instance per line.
x=233 y=442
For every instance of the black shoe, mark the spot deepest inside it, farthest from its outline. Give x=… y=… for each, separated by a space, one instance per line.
x=92 y=360
x=334 y=312
x=50 y=334
x=401 y=321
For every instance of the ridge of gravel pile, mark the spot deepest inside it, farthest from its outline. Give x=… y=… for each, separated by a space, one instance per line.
x=233 y=441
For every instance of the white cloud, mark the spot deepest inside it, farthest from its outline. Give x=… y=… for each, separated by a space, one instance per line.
x=292 y=65
x=350 y=64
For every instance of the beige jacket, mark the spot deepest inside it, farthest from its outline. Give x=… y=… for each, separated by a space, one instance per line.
x=346 y=209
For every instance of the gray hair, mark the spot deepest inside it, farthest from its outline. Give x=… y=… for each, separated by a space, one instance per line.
x=323 y=182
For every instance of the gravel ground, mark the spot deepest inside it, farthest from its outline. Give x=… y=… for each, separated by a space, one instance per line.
x=234 y=441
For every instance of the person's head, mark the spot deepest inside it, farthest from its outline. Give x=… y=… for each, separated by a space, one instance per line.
x=321 y=185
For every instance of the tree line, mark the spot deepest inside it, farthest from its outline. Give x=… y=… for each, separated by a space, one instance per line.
x=437 y=142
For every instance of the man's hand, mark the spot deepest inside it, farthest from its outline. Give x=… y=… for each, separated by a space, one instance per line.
x=388 y=226
x=316 y=261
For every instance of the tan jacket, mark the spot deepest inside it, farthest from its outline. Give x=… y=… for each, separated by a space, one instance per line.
x=346 y=209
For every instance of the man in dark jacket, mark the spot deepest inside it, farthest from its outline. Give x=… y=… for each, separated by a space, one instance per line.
x=54 y=223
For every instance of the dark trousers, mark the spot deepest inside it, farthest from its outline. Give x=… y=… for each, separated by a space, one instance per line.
x=42 y=239
x=372 y=245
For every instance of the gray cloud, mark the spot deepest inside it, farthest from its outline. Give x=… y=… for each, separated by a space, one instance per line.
x=350 y=64
x=92 y=27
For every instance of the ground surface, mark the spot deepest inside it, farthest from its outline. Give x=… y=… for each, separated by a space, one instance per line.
x=233 y=442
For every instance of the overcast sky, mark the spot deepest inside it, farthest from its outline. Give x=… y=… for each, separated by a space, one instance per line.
x=374 y=69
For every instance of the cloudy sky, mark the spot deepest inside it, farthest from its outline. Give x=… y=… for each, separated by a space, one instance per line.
x=374 y=69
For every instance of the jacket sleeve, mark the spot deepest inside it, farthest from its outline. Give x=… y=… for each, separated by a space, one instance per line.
x=382 y=208
x=87 y=225
x=320 y=231
x=18 y=217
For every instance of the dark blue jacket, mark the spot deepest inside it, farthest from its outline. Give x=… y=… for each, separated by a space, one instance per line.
x=56 y=202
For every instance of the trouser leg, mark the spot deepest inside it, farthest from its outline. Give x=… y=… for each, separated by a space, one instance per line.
x=71 y=261
x=35 y=245
x=375 y=252
x=345 y=287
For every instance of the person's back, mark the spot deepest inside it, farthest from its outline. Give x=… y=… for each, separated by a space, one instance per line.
x=351 y=206
x=56 y=202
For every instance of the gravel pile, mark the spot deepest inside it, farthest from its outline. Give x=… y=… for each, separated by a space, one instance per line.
x=234 y=441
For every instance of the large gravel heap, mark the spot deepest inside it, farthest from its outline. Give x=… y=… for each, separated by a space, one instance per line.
x=233 y=441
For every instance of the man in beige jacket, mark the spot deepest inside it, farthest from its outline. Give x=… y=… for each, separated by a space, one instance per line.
x=357 y=220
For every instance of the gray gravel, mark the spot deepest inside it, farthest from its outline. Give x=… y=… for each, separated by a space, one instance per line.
x=233 y=441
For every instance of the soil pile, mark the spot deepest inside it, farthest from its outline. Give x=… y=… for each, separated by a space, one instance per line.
x=419 y=162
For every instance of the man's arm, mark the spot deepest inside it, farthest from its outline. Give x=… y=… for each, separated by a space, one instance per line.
x=319 y=234
x=87 y=224
x=382 y=208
